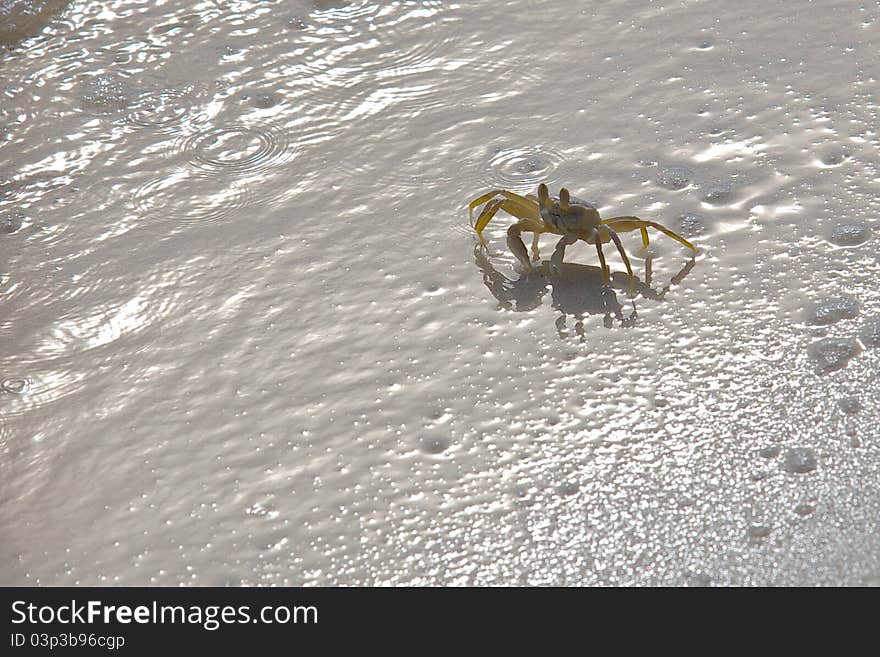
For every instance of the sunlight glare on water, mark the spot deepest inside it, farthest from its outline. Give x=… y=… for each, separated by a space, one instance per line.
x=248 y=336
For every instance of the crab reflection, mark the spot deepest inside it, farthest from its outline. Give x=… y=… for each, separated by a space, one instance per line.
x=577 y=291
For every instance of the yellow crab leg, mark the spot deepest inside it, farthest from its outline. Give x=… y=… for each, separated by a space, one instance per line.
x=527 y=207
x=486 y=216
x=527 y=220
x=624 y=224
x=624 y=257
x=606 y=273
x=479 y=201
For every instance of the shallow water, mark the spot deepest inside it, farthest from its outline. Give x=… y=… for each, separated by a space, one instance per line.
x=248 y=339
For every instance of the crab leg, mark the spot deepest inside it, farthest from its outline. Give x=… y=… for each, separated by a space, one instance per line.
x=516 y=245
x=556 y=259
x=620 y=249
x=624 y=224
x=485 y=217
x=527 y=207
x=529 y=215
x=606 y=274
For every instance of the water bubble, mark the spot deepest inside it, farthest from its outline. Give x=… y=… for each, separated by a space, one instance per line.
x=804 y=509
x=850 y=405
x=718 y=193
x=675 y=177
x=770 y=452
x=833 y=158
x=829 y=311
x=11 y=221
x=759 y=531
x=832 y=354
x=261 y=510
x=870 y=333
x=14 y=386
x=850 y=234
x=163 y=107
x=108 y=93
x=799 y=460
x=691 y=223
x=434 y=443
x=265 y=100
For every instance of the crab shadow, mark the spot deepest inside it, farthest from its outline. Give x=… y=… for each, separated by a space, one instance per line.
x=578 y=291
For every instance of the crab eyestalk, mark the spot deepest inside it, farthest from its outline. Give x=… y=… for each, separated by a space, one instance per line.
x=564 y=199
x=544 y=197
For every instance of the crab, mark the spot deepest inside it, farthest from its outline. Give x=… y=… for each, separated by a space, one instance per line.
x=573 y=219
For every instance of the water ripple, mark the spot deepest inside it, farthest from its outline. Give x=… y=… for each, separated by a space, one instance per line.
x=361 y=59
x=6 y=435
x=26 y=385
x=524 y=167
x=189 y=197
x=149 y=101
x=411 y=168
x=29 y=188
x=424 y=49
x=63 y=333
x=165 y=108
x=238 y=148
